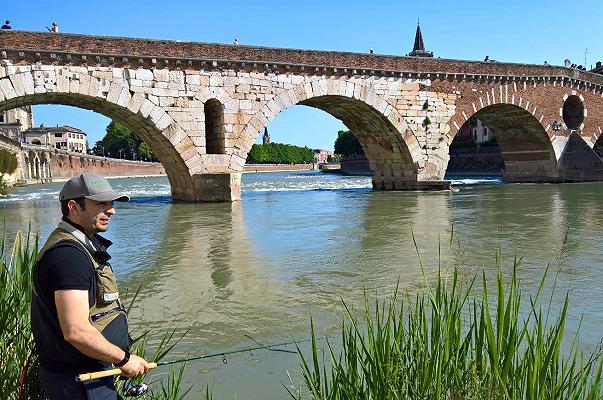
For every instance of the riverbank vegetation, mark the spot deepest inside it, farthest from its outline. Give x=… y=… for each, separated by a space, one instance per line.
x=121 y=142
x=279 y=153
x=347 y=145
x=453 y=343
x=16 y=264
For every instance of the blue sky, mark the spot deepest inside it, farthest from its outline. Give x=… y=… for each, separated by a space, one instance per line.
x=513 y=31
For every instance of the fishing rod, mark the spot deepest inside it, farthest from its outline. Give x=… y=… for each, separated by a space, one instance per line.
x=112 y=372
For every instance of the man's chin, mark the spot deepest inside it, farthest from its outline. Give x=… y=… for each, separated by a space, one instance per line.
x=102 y=228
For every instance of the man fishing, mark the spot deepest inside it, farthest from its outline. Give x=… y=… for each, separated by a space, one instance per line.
x=78 y=322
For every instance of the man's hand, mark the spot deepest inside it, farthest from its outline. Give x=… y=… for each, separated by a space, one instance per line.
x=135 y=366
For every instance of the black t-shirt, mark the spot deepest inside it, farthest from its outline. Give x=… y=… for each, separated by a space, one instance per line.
x=65 y=266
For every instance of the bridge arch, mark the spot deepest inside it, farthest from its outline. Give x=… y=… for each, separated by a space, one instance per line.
x=528 y=148
x=390 y=145
x=114 y=99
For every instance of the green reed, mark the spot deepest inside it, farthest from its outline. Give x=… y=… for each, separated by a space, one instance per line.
x=15 y=298
x=454 y=342
x=16 y=341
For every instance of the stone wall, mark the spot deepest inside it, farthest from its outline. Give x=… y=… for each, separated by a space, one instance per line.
x=65 y=165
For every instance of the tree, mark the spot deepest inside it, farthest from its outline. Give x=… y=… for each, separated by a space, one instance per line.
x=346 y=144
x=279 y=153
x=145 y=152
x=121 y=142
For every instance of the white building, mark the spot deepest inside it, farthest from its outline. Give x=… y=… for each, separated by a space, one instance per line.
x=61 y=137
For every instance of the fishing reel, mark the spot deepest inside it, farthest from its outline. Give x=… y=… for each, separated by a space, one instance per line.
x=135 y=390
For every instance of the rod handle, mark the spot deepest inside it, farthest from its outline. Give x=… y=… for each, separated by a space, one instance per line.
x=102 y=374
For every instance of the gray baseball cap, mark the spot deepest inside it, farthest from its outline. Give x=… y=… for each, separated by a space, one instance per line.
x=91 y=186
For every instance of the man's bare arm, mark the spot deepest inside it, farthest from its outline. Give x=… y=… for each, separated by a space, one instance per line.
x=72 y=310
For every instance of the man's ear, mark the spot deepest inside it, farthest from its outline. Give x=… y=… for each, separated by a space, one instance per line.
x=73 y=207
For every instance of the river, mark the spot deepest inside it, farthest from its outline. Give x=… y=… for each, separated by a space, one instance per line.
x=300 y=242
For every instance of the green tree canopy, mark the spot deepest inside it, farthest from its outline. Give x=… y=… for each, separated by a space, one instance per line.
x=279 y=153
x=346 y=144
x=119 y=141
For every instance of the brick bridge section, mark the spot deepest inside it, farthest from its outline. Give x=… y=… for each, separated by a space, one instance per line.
x=201 y=106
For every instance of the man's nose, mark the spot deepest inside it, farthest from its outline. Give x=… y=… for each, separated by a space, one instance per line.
x=110 y=211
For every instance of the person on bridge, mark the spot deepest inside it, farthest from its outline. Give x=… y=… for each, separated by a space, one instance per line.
x=55 y=27
x=6 y=25
x=78 y=322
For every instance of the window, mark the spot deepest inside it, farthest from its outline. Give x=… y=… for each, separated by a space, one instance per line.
x=58 y=134
x=214 y=127
x=485 y=132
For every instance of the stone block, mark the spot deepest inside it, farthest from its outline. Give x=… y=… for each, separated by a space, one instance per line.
x=145 y=108
x=164 y=122
x=193 y=79
x=114 y=92
x=216 y=80
x=62 y=77
x=7 y=88
x=28 y=83
x=17 y=84
x=176 y=76
x=136 y=102
x=161 y=75
x=124 y=97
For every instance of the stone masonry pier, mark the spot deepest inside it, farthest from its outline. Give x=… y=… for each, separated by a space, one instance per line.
x=200 y=106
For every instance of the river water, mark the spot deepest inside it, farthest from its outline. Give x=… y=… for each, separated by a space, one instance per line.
x=301 y=242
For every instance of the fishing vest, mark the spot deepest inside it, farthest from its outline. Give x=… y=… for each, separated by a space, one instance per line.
x=107 y=305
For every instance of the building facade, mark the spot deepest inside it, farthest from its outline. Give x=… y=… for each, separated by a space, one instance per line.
x=60 y=137
x=14 y=122
x=321 y=156
x=474 y=130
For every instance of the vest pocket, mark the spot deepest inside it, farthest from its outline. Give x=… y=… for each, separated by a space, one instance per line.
x=103 y=318
x=106 y=285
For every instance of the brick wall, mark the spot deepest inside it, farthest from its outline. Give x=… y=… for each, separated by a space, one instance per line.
x=63 y=166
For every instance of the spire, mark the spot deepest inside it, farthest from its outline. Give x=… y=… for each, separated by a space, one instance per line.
x=266 y=137
x=418 y=49
x=419 y=45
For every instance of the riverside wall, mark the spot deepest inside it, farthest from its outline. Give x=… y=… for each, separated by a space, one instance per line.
x=64 y=165
x=356 y=166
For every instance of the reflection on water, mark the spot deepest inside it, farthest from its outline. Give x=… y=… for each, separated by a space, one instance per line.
x=294 y=247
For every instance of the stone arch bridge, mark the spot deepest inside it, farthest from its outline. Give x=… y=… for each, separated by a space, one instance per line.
x=200 y=106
